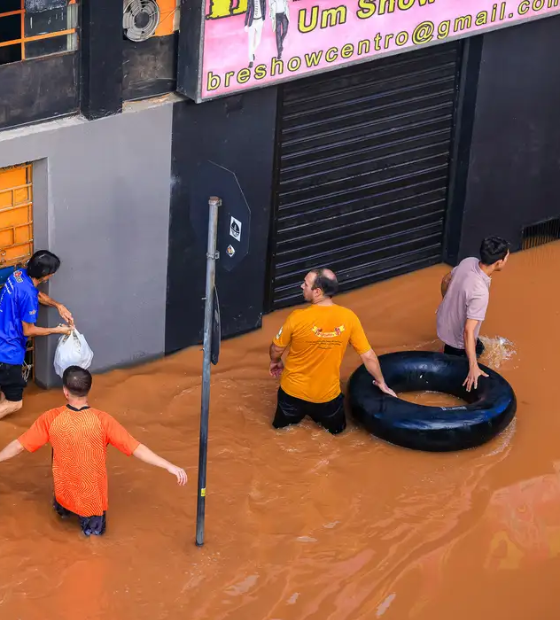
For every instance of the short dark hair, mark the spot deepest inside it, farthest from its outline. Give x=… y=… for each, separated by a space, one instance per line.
x=42 y=264
x=493 y=249
x=77 y=381
x=327 y=284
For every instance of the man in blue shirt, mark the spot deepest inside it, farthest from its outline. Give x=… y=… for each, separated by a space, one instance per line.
x=19 y=303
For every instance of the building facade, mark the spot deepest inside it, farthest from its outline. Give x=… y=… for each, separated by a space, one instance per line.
x=114 y=132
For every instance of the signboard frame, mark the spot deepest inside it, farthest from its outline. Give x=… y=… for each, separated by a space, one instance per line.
x=191 y=69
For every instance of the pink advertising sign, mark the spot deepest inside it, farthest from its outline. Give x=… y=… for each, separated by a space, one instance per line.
x=246 y=44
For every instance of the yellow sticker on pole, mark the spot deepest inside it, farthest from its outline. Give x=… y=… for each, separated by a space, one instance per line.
x=202 y=492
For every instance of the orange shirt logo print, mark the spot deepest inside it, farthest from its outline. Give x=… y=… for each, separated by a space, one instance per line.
x=334 y=334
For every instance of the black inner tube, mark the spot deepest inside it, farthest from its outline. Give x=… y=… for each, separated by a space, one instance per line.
x=488 y=411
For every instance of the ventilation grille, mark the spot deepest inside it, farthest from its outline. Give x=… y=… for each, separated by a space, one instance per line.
x=140 y=19
x=541 y=233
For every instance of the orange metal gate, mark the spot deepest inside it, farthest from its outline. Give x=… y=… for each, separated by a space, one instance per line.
x=16 y=225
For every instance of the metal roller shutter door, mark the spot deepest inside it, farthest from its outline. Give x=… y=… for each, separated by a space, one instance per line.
x=363 y=166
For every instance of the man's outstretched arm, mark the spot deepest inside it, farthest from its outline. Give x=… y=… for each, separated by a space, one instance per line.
x=12 y=449
x=146 y=455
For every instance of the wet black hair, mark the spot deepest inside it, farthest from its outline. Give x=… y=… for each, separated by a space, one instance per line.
x=77 y=381
x=43 y=263
x=493 y=249
x=327 y=284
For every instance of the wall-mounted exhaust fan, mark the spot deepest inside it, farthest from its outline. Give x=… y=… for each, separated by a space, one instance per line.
x=140 y=19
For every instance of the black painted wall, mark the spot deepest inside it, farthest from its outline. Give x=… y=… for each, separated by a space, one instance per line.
x=236 y=134
x=149 y=67
x=39 y=89
x=101 y=47
x=513 y=177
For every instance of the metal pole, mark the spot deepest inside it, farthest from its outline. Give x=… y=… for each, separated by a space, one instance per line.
x=211 y=257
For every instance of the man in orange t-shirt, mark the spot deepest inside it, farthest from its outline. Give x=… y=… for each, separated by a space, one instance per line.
x=317 y=338
x=79 y=436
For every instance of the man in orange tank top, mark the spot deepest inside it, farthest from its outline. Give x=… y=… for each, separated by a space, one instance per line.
x=79 y=436
x=317 y=337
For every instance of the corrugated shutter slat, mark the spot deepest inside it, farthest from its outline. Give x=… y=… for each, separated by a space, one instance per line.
x=364 y=159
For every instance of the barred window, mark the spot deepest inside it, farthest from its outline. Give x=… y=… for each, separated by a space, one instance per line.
x=30 y=35
x=16 y=229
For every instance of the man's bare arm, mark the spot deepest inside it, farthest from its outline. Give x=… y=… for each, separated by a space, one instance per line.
x=45 y=300
x=144 y=453
x=445 y=282
x=30 y=330
x=65 y=314
x=371 y=362
x=276 y=352
x=276 y=365
x=12 y=449
x=470 y=347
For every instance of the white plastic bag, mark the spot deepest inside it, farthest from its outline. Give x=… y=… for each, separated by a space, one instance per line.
x=72 y=350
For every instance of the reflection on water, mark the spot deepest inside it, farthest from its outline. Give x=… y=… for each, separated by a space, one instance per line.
x=302 y=525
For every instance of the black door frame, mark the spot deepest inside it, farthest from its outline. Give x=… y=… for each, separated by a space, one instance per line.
x=273 y=225
x=463 y=124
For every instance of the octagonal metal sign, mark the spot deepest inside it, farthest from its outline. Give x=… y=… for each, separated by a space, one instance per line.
x=234 y=214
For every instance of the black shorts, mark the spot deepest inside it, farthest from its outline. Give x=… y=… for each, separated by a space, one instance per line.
x=91 y=526
x=292 y=410
x=12 y=382
x=449 y=350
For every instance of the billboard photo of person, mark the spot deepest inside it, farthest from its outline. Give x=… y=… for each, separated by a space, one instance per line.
x=280 y=18
x=254 y=22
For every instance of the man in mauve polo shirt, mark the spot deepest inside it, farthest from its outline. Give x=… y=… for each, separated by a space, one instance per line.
x=465 y=292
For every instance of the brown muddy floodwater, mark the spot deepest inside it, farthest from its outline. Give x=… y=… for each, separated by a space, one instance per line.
x=302 y=525
x=432 y=399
